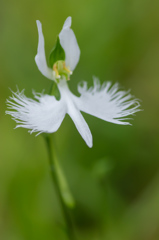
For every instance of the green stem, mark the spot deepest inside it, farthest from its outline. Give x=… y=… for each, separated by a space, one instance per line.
x=52 y=88
x=52 y=162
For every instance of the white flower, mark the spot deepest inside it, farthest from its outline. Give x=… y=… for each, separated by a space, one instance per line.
x=45 y=113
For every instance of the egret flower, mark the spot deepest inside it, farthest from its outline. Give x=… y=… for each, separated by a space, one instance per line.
x=44 y=113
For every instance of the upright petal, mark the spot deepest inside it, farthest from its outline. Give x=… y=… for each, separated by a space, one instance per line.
x=40 y=58
x=107 y=102
x=69 y=43
x=45 y=114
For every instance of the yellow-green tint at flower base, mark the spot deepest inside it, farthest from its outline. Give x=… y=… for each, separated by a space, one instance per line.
x=61 y=71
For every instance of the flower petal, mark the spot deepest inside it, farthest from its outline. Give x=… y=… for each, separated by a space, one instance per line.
x=74 y=113
x=81 y=125
x=45 y=114
x=106 y=102
x=40 y=58
x=69 y=43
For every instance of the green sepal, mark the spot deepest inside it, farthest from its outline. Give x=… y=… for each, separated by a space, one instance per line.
x=57 y=53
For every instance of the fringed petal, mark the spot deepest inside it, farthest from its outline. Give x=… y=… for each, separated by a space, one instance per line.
x=107 y=102
x=45 y=114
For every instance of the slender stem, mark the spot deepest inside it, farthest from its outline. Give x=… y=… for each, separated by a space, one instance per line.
x=68 y=221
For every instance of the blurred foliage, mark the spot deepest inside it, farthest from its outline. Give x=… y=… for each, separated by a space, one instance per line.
x=116 y=183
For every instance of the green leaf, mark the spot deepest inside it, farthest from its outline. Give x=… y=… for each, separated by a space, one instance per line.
x=57 y=53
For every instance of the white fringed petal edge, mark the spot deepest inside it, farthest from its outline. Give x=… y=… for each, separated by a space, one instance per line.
x=107 y=102
x=45 y=113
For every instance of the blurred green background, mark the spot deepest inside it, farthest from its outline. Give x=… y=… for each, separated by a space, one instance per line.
x=116 y=183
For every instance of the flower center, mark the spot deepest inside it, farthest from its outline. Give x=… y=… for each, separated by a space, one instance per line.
x=60 y=70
